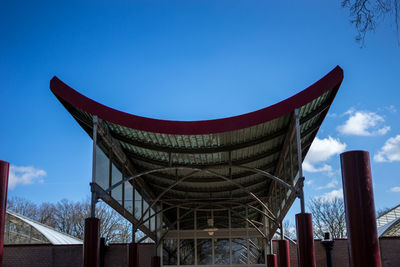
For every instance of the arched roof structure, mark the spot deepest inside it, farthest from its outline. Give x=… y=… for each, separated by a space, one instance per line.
x=201 y=164
x=389 y=223
x=22 y=230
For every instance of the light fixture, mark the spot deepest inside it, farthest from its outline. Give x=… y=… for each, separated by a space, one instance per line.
x=211 y=229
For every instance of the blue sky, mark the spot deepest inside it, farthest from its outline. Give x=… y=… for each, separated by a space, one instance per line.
x=190 y=60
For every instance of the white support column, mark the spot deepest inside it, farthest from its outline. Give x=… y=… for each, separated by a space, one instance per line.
x=300 y=159
x=94 y=197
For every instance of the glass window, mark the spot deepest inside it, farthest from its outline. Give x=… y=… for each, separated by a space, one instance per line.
x=116 y=176
x=256 y=248
x=145 y=216
x=102 y=169
x=202 y=219
x=204 y=251
x=221 y=253
x=152 y=220
x=221 y=219
x=128 y=197
x=138 y=205
x=186 y=251
x=187 y=221
x=238 y=216
x=239 y=251
x=170 y=252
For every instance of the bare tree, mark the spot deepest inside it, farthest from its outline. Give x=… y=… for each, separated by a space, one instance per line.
x=328 y=216
x=68 y=217
x=366 y=14
x=23 y=207
x=289 y=229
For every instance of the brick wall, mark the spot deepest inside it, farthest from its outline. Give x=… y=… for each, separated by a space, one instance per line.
x=116 y=255
x=42 y=255
x=390 y=253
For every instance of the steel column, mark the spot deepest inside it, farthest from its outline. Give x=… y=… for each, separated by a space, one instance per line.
x=91 y=245
x=283 y=253
x=4 y=170
x=360 y=209
x=271 y=260
x=305 y=240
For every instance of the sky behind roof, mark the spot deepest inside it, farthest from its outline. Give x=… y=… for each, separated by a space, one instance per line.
x=190 y=60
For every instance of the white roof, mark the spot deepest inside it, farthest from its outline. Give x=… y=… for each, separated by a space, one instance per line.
x=55 y=237
x=389 y=223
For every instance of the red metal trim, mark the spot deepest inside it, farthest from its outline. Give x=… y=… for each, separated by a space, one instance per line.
x=331 y=81
x=133 y=256
x=305 y=243
x=358 y=194
x=4 y=170
x=155 y=261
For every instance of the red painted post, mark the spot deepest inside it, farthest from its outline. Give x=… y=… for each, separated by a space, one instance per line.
x=283 y=253
x=133 y=260
x=305 y=240
x=91 y=243
x=155 y=261
x=4 y=170
x=271 y=260
x=360 y=209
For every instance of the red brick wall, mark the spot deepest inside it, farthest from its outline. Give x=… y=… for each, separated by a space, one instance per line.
x=42 y=255
x=390 y=253
x=117 y=255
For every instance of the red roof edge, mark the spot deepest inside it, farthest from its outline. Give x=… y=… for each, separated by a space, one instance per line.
x=330 y=81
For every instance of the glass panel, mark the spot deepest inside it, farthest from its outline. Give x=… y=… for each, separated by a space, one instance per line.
x=202 y=217
x=204 y=251
x=128 y=197
x=221 y=219
x=256 y=248
x=138 y=205
x=221 y=254
x=145 y=216
x=186 y=252
x=186 y=222
x=237 y=217
x=239 y=251
x=170 y=252
x=152 y=220
x=102 y=169
x=170 y=218
x=116 y=177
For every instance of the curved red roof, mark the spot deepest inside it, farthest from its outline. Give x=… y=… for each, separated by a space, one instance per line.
x=331 y=81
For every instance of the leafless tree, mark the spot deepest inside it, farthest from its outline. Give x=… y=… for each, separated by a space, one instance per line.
x=328 y=216
x=68 y=217
x=289 y=229
x=366 y=14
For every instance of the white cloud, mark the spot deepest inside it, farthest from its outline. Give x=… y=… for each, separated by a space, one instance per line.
x=321 y=150
x=24 y=175
x=327 y=197
x=390 y=151
x=395 y=189
x=331 y=184
x=363 y=123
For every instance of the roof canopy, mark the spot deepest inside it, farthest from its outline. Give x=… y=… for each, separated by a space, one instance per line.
x=229 y=154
